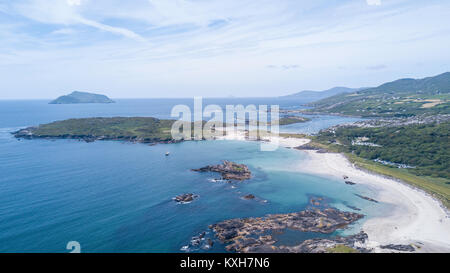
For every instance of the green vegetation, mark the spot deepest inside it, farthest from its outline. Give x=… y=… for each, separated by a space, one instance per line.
x=401 y=98
x=82 y=97
x=422 y=146
x=341 y=249
x=138 y=128
x=438 y=187
x=292 y=135
x=292 y=119
x=417 y=154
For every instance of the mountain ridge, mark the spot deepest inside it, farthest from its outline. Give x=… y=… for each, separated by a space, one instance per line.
x=402 y=97
x=311 y=95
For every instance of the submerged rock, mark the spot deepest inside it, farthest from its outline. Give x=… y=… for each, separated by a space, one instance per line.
x=406 y=248
x=352 y=207
x=366 y=198
x=229 y=170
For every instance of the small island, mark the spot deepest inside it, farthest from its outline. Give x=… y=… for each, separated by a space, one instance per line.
x=82 y=97
x=229 y=170
x=185 y=198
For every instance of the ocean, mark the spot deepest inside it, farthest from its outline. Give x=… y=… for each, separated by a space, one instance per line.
x=112 y=196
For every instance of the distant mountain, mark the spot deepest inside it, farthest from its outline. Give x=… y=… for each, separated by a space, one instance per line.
x=404 y=97
x=310 y=96
x=82 y=97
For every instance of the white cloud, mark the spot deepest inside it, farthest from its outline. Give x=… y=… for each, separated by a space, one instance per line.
x=373 y=2
x=74 y=2
x=300 y=40
x=57 y=12
x=64 y=31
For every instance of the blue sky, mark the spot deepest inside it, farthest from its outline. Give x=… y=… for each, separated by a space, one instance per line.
x=216 y=48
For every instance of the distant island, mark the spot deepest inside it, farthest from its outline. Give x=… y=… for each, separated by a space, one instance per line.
x=82 y=97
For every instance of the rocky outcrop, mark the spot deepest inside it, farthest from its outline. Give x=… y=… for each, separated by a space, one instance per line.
x=241 y=235
x=350 y=183
x=229 y=170
x=249 y=197
x=200 y=241
x=324 y=245
x=185 y=198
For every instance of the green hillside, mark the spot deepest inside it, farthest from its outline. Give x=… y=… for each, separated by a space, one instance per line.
x=401 y=98
x=417 y=154
x=143 y=129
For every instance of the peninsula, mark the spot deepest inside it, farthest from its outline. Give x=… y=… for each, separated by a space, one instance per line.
x=134 y=129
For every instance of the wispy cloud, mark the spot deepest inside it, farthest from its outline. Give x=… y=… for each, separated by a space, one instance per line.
x=151 y=46
x=373 y=2
x=67 y=12
x=377 y=67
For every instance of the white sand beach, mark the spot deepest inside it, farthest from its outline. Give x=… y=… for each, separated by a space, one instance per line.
x=417 y=218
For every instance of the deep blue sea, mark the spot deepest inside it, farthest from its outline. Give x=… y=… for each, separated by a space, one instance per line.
x=117 y=197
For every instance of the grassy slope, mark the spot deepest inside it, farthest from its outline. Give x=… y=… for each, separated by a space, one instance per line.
x=145 y=128
x=341 y=249
x=405 y=97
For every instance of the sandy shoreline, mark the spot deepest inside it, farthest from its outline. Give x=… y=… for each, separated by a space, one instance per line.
x=417 y=218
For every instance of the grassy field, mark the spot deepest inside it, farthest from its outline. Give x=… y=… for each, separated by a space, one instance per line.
x=341 y=249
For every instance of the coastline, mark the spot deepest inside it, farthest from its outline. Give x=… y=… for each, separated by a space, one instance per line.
x=417 y=219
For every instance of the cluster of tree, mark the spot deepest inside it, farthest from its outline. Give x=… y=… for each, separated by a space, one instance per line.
x=423 y=146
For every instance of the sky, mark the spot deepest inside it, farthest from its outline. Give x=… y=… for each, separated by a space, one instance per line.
x=216 y=48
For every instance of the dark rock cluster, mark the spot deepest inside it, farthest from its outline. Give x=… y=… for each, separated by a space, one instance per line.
x=229 y=170
x=185 y=198
x=251 y=234
x=249 y=197
x=405 y=248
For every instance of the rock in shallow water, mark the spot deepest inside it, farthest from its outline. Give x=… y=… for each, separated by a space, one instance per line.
x=249 y=197
x=241 y=235
x=406 y=248
x=185 y=198
x=229 y=170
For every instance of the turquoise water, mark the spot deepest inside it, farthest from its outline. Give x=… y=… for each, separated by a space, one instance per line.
x=317 y=123
x=116 y=197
